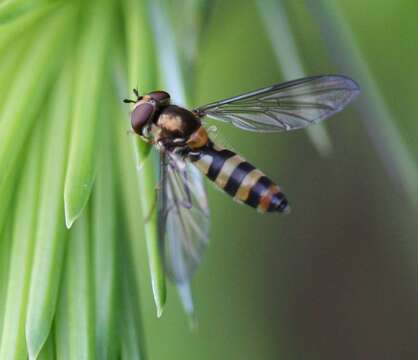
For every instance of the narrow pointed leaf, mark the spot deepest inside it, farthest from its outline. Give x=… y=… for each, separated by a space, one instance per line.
x=26 y=93
x=130 y=322
x=104 y=249
x=50 y=236
x=135 y=209
x=141 y=52
x=13 y=346
x=75 y=315
x=168 y=57
x=170 y=66
x=91 y=60
x=9 y=64
x=132 y=332
x=5 y=245
x=7 y=192
x=48 y=350
x=141 y=70
x=129 y=250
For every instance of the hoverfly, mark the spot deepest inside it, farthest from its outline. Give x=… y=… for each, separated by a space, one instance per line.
x=187 y=152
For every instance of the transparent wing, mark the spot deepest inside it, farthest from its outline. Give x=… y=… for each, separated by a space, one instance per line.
x=288 y=106
x=183 y=216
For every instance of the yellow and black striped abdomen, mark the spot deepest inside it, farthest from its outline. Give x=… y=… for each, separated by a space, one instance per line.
x=240 y=179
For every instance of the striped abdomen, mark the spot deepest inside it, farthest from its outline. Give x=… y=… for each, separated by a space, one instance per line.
x=240 y=179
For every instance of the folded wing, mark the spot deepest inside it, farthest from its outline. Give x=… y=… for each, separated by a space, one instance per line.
x=184 y=218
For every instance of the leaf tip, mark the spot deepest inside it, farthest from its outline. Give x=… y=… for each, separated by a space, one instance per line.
x=69 y=222
x=160 y=310
x=34 y=346
x=69 y=217
x=74 y=203
x=159 y=304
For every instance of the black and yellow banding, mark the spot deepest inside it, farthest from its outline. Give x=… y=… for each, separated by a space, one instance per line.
x=240 y=179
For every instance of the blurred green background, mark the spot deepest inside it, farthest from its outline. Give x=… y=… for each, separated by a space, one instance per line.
x=335 y=279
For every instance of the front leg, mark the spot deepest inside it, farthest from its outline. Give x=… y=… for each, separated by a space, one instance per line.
x=177 y=146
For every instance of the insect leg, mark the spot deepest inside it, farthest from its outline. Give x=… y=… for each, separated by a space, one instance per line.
x=157 y=189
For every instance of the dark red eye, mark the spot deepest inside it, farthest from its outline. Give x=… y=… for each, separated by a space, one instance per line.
x=160 y=96
x=140 y=116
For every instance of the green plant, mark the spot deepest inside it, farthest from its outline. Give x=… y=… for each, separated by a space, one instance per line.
x=67 y=162
x=69 y=68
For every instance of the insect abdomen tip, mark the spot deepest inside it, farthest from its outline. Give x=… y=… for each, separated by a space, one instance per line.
x=280 y=204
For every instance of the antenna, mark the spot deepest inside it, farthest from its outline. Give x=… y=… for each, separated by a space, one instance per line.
x=138 y=97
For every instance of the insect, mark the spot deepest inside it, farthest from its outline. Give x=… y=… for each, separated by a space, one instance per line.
x=187 y=153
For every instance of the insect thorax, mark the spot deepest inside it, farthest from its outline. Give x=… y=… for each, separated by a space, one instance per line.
x=175 y=124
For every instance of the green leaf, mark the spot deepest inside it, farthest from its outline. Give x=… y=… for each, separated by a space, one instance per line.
x=74 y=331
x=104 y=248
x=138 y=199
x=48 y=351
x=141 y=69
x=6 y=194
x=131 y=329
x=170 y=65
x=51 y=233
x=167 y=50
x=130 y=251
x=9 y=64
x=5 y=245
x=141 y=52
x=288 y=59
x=147 y=184
x=26 y=93
x=85 y=134
x=13 y=346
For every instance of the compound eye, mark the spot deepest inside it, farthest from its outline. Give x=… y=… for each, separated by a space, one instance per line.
x=140 y=116
x=161 y=97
